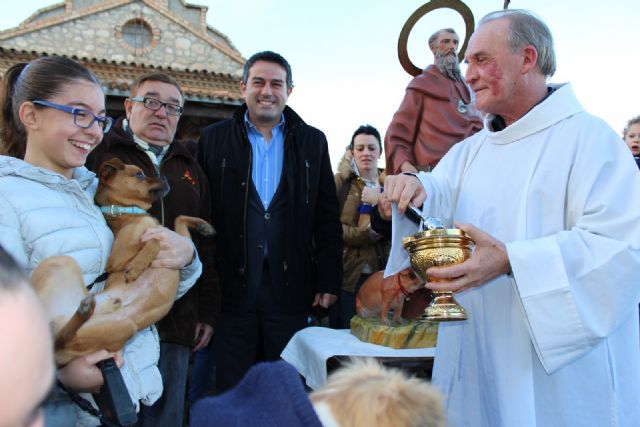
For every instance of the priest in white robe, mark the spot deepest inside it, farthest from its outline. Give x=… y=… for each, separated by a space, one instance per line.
x=549 y=194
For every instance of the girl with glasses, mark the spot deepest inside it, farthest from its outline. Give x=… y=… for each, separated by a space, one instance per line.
x=52 y=117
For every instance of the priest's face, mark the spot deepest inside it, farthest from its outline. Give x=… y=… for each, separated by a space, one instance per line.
x=493 y=70
x=632 y=139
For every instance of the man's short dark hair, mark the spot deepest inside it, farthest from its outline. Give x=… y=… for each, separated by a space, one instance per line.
x=154 y=77
x=366 y=130
x=267 y=56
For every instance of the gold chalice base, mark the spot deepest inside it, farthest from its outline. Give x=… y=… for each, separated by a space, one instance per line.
x=436 y=248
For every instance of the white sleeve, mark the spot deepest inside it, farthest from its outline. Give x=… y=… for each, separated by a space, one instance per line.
x=189 y=274
x=578 y=285
x=140 y=369
x=401 y=226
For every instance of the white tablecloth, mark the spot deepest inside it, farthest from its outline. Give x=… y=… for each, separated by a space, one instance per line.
x=309 y=349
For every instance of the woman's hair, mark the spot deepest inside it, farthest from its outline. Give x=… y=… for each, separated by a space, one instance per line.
x=42 y=78
x=367 y=130
x=633 y=121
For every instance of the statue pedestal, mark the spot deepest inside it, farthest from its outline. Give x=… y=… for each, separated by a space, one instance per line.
x=413 y=334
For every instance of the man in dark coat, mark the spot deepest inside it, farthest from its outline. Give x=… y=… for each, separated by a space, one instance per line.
x=276 y=214
x=146 y=138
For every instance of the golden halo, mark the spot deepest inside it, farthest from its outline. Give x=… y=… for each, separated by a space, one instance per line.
x=456 y=5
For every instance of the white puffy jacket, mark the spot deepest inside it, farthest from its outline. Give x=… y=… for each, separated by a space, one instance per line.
x=42 y=214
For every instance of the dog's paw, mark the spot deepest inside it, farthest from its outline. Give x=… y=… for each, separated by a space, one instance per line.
x=131 y=274
x=87 y=306
x=206 y=229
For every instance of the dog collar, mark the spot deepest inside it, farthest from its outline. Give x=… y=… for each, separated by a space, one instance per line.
x=122 y=210
x=402 y=289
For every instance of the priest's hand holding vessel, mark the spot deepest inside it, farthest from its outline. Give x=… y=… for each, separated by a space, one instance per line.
x=439 y=247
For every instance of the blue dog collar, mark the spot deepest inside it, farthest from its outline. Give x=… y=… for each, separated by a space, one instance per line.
x=122 y=210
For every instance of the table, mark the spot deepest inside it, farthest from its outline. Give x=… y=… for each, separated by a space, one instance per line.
x=312 y=349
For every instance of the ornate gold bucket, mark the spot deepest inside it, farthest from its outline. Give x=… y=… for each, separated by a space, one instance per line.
x=439 y=247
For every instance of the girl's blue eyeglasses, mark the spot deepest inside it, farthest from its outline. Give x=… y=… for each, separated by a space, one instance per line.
x=81 y=118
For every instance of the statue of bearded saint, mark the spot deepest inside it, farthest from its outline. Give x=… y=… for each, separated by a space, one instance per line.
x=447 y=63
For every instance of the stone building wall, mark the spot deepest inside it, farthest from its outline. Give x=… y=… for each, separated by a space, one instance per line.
x=190 y=14
x=101 y=35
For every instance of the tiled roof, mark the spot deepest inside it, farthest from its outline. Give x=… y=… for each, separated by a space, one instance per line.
x=197 y=85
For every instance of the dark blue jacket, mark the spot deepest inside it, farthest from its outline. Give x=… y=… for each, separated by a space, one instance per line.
x=313 y=237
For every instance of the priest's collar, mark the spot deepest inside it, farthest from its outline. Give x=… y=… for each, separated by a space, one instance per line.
x=498 y=123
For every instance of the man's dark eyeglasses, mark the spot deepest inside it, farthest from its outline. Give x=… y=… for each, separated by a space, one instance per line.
x=156 y=104
x=82 y=118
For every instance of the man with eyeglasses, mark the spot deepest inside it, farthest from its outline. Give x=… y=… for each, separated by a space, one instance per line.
x=145 y=137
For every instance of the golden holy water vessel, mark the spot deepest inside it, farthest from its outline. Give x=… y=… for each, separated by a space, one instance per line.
x=438 y=247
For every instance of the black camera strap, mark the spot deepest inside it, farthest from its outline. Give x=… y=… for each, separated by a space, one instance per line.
x=85 y=405
x=99 y=279
x=116 y=407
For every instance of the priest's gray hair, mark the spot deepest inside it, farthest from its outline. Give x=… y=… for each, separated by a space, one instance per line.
x=528 y=29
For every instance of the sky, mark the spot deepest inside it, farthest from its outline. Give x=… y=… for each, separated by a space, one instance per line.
x=343 y=53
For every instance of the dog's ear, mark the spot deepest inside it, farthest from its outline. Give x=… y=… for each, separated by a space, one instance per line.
x=109 y=168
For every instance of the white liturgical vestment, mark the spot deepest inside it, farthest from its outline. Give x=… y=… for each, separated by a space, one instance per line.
x=556 y=343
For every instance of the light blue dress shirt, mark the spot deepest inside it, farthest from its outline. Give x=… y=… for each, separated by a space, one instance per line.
x=266 y=167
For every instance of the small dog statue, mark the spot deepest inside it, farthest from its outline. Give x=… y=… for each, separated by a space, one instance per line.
x=378 y=295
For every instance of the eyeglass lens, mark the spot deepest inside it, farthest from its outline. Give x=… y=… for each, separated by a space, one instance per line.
x=155 y=105
x=84 y=119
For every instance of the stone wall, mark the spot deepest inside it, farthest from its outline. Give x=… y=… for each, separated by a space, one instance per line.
x=190 y=14
x=100 y=36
